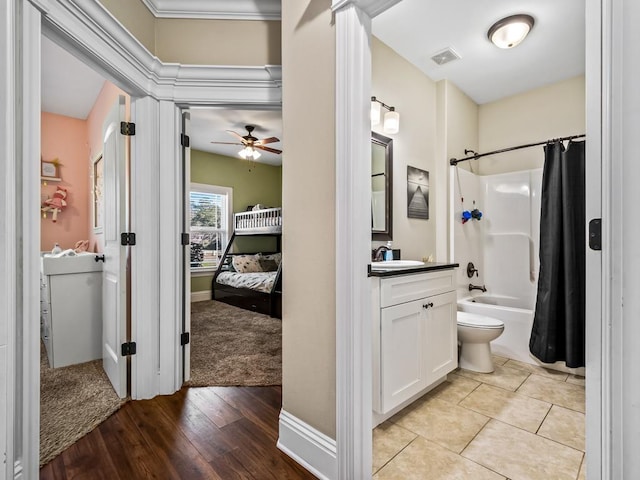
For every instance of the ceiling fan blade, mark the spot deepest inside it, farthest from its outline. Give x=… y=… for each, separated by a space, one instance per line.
x=240 y=137
x=267 y=149
x=228 y=143
x=264 y=141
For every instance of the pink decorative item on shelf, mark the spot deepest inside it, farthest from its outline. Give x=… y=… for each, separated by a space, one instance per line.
x=55 y=204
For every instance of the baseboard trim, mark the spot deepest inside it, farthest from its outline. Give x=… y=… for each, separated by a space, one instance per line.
x=309 y=447
x=202 y=296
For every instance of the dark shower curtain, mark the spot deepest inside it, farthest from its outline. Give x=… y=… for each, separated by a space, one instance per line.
x=558 y=332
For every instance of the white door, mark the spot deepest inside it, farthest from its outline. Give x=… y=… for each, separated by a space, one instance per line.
x=186 y=249
x=114 y=285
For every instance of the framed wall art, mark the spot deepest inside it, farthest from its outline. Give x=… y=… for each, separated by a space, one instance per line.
x=417 y=193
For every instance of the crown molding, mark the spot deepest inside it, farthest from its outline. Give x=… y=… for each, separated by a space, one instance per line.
x=111 y=50
x=371 y=7
x=216 y=9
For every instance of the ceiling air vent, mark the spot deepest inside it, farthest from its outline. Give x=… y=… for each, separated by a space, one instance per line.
x=445 y=56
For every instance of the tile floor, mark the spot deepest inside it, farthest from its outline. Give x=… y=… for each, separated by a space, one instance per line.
x=520 y=422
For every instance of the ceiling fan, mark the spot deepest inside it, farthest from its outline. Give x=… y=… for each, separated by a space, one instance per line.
x=252 y=144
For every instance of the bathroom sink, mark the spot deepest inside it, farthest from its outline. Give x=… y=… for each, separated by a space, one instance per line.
x=395 y=264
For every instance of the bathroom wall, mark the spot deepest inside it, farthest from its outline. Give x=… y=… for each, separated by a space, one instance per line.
x=65 y=138
x=396 y=82
x=259 y=184
x=95 y=119
x=537 y=115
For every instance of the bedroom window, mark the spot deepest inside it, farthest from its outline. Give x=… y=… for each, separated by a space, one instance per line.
x=210 y=214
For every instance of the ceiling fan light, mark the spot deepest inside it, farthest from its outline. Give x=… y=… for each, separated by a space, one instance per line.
x=391 y=121
x=375 y=112
x=243 y=153
x=510 y=31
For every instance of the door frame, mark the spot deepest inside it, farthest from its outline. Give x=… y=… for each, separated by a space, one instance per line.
x=353 y=336
x=156 y=89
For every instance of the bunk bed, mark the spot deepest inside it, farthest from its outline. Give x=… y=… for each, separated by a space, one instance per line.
x=252 y=280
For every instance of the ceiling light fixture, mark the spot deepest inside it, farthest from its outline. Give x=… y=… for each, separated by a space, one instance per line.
x=249 y=153
x=510 y=31
x=391 y=122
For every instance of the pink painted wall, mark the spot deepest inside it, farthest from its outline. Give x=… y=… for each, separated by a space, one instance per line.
x=101 y=107
x=65 y=138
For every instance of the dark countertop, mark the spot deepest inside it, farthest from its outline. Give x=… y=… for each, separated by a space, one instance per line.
x=427 y=267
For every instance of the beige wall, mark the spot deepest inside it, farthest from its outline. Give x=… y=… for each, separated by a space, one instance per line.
x=218 y=42
x=396 y=82
x=308 y=203
x=549 y=112
x=197 y=41
x=136 y=18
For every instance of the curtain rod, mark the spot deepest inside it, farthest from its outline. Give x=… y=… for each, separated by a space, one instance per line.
x=455 y=161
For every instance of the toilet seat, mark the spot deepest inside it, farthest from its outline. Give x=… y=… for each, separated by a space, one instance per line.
x=473 y=320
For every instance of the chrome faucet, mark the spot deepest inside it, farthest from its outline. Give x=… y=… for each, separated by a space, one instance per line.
x=376 y=255
x=477 y=287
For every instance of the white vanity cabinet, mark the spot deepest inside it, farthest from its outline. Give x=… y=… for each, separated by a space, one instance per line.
x=71 y=309
x=415 y=336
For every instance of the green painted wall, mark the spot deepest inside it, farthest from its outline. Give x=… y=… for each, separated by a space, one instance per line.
x=251 y=182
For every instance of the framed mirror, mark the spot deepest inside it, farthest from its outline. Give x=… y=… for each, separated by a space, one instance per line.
x=381 y=187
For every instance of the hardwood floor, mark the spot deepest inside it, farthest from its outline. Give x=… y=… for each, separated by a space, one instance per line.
x=198 y=433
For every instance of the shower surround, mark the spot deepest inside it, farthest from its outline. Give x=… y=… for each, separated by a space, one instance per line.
x=504 y=247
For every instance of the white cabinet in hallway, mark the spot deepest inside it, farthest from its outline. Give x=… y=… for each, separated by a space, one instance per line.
x=415 y=335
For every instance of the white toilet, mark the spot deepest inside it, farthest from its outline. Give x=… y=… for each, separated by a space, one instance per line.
x=474 y=333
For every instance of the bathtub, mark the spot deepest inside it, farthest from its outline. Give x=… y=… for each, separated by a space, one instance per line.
x=517 y=315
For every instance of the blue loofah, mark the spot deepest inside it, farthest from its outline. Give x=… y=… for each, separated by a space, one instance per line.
x=466 y=216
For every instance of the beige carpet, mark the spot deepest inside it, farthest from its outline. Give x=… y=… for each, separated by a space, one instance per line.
x=232 y=346
x=73 y=401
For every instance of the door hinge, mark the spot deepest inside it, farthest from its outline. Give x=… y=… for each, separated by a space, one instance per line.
x=127 y=238
x=127 y=128
x=185 y=140
x=184 y=338
x=128 y=348
x=595 y=234
x=185 y=239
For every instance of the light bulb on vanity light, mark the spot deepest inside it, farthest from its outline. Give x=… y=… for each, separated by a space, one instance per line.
x=376 y=109
x=391 y=121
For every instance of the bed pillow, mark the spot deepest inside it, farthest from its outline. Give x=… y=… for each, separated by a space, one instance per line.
x=268 y=265
x=246 y=263
x=276 y=257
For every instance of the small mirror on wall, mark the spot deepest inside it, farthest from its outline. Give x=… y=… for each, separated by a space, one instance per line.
x=381 y=187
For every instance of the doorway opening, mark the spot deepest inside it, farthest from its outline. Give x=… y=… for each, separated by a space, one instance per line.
x=83 y=208
x=232 y=273
x=481 y=109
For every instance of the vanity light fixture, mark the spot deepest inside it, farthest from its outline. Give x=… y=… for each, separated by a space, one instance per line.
x=249 y=153
x=391 y=122
x=510 y=31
